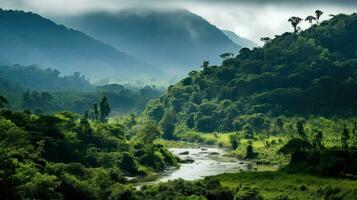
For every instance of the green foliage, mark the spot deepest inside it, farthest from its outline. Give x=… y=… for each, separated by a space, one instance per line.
x=234 y=141
x=167 y=124
x=65 y=156
x=47 y=91
x=310 y=72
x=104 y=109
x=180 y=189
x=247 y=193
x=206 y=124
x=295 y=145
x=289 y=186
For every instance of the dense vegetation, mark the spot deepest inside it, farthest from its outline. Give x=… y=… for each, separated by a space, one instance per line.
x=67 y=156
x=290 y=105
x=310 y=72
x=47 y=91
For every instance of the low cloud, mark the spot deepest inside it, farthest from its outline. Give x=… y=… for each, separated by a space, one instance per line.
x=249 y=18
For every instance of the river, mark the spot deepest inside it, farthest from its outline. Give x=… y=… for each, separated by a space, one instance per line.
x=208 y=161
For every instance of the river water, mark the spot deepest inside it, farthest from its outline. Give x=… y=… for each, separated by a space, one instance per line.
x=208 y=161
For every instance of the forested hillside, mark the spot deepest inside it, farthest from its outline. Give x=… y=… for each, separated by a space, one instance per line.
x=176 y=39
x=310 y=72
x=27 y=38
x=48 y=91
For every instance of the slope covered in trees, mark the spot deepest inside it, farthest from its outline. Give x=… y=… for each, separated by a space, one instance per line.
x=174 y=39
x=35 y=78
x=27 y=38
x=47 y=91
x=310 y=72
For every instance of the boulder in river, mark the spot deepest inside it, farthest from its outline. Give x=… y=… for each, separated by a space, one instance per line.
x=203 y=149
x=213 y=153
x=187 y=161
x=184 y=153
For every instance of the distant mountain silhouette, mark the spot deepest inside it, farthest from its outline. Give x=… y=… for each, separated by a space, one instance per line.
x=175 y=40
x=239 y=40
x=27 y=38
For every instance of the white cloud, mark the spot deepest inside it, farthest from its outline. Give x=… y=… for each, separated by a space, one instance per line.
x=255 y=21
x=251 y=20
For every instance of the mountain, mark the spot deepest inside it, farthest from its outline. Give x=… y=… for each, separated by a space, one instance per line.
x=313 y=72
x=176 y=40
x=239 y=40
x=27 y=38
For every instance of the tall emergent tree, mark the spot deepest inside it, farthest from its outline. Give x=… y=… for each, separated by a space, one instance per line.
x=104 y=109
x=295 y=21
x=310 y=18
x=266 y=40
x=318 y=14
x=205 y=64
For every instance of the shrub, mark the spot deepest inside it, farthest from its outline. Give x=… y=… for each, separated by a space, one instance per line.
x=247 y=193
x=206 y=124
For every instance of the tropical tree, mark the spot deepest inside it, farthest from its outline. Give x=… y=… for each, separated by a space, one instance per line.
x=205 y=64
x=301 y=131
x=226 y=55
x=295 y=21
x=244 y=53
x=345 y=136
x=3 y=101
x=234 y=141
x=104 y=110
x=266 y=40
x=318 y=14
x=310 y=18
x=167 y=124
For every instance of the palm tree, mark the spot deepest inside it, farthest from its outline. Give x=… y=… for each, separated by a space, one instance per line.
x=205 y=64
x=310 y=19
x=266 y=40
x=318 y=14
x=3 y=101
x=295 y=21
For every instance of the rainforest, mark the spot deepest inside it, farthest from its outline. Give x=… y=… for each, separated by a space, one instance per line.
x=178 y=100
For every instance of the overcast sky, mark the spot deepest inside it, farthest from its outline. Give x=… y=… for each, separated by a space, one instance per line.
x=248 y=18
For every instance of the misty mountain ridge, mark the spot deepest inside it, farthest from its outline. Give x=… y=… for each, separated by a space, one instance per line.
x=175 y=40
x=243 y=42
x=27 y=38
